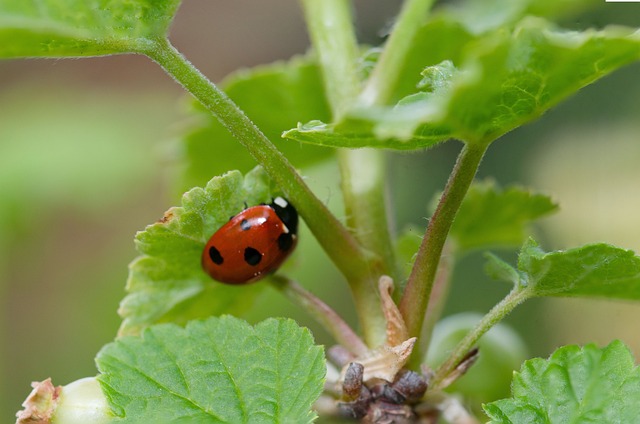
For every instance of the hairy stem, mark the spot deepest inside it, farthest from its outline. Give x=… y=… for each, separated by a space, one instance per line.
x=439 y=295
x=340 y=245
x=384 y=78
x=322 y=313
x=506 y=305
x=418 y=290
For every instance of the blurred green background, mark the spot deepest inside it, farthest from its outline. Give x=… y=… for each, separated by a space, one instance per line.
x=88 y=147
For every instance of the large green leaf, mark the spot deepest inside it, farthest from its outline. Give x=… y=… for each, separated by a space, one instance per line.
x=54 y=28
x=505 y=79
x=221 y=370
x=166 y=283
x=575 y=385
x=276 y=97
x=594 y=270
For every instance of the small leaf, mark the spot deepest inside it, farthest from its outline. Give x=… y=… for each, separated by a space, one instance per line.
x=221 y=370
x=575 y=385
x=506 y=79
x=593 y=270
x=498 y=269
x=276 y=97
x=491 y=217
x=166 y=283
x=55 y=28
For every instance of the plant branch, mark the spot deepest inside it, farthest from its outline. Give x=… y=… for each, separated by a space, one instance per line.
x=330 y=28
x=322 y=313
x=384 y=78
x=497 y=313
x=418 y=290
x=438 y=297
x=363 y=175
x=340 y=245
x=331 y=31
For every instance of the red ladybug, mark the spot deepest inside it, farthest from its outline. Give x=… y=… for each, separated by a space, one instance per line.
x=252 y=244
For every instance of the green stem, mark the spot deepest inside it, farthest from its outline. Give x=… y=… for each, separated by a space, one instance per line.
x=322 y=313
x=438 y=297
x=384 y=78
x=330 y=27
x=340 y=245
x=502 y=309
x=331 y=31
x=363 y=174
x=418 y=290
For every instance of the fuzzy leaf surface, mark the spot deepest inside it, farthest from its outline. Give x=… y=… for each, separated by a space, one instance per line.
x=575 y=385
x=276 y=97
x=593 y=270
x=504 y=79
x=220 y=370
x=166 y=283
x=57 y=28
x=490 y=216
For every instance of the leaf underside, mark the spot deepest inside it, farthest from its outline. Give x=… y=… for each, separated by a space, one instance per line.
x=59 y=28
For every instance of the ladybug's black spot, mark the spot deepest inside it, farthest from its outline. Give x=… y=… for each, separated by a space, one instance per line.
x=245 y=225
x=285 y=241
x=215 y=255
x=252 y=256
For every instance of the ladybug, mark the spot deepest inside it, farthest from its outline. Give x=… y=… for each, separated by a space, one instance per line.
x=252 y=244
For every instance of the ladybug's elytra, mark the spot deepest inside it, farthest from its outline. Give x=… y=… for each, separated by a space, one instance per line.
x=252 y=244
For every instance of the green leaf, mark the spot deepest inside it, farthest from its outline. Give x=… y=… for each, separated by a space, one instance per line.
x=480 y=16
x=166 y=283
x=490 y=216
x=221 y=370
x=276 y=97
x=575 y=385
x=593 y=270
x=54 y=28
x=498 y=269
x=505 y=79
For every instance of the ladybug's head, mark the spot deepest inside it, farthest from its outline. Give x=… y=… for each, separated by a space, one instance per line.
x=287 y=213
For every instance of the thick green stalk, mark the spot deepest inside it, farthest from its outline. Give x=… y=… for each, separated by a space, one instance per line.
x=514 y=298
x=332 y=35
x=384 y=78
x=363 y=175
x=339 y=244
x=414 y=300
x=330 y=27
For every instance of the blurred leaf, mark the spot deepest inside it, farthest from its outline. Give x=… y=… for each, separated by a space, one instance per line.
x=575 y=385
x=167 y=283
x=490 y=216
x=498 y=269
x=54 y=28
x=594 y=270
x=221 y=370
x=480 y=16
x=507 y=78
x=276 y=97
x=59 y=147
x=501 y=352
